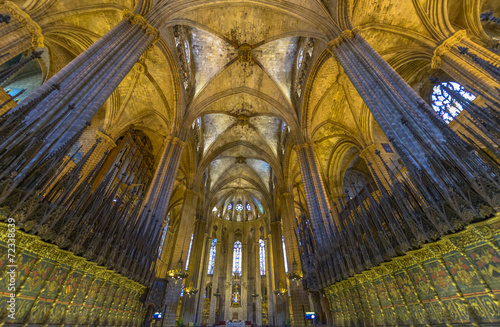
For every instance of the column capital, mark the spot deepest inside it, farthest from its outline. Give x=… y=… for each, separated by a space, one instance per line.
x=309 y=144
x=369 y=149
x=143 y=23
x=445 y=48
x=346 y=34
x=106 y=139
x=24 y=18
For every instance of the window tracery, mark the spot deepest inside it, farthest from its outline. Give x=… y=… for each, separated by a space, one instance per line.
x=189 y=251
x=211 y=258
x=444 y=104
x=237 y=258
x=163 y=235
x=262 y=253
x=284 y=253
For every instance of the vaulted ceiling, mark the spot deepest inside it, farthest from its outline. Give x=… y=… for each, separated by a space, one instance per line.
x=243 y=81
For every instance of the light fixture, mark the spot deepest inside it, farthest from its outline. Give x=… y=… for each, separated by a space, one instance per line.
x=296 y=274
x=281 y=290
x=178 y=273
x=190 y=290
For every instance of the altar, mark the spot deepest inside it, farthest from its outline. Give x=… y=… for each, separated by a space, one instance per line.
x=235 y=323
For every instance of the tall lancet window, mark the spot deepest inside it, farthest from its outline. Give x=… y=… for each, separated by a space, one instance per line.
x=262 y=252
x=163 y=235
x=211 y=257
x=237 y=258
x=189 y=251
x=284 y=253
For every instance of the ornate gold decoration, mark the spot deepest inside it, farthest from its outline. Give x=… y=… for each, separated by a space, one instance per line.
x=281 y=290
x=33 y=28
x=178 y=273
x=142 y=22
x=346 y=34
x=190 y=290
x=245 y=53
x=445 y=47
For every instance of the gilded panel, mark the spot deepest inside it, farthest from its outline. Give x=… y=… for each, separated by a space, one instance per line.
x=58 y=313
x=487 y=261
x=70 y=287
x=55 y=282
x=83 y=289
x=458 y=310
x=37 y=277
x=39 y=311
x=93 y=291
x=440 y=278
x=23 y=306
x=463 y=273
x=422 y=283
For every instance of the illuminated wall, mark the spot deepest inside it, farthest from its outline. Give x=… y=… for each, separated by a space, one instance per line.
x=455 y=281
x=55 y=287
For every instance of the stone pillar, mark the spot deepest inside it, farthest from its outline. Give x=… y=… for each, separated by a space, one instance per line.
x=22 y=33
x=228 y=287
x=461 y=68
x=214 y=301
x=387 y=153
x=298 y=296
x=179 y=252
x=190 y=304
x=425 y=143
x=258 y=304
x=278 y=271
x=316 y=197
x=61 y=116
x=106 y=144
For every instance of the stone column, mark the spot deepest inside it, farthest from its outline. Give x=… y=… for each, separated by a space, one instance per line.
x=387 y=153
x=426 y=144
x=190 y=304
x=278 y=271
x=298 y=296
x=179 y=252
x=106 y=144
x=59 y=117
x=316 y=197
x=256 y=259
x=214 y=301
x=464 y=70
x=22 y=33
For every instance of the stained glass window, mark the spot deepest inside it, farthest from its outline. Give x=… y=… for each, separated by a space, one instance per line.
x=189 y=251
x=237 y=258
x=284 y=253
x=211 y=257
x=444 y=104
x=248 y=207
x=262 y=252
x=230 y=206
x=182 y=290
x=163 y=235
x=239 y=207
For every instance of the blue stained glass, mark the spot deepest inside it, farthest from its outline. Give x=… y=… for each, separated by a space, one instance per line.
x=189 y=251
x=248 y=207
x=262 y=252
x=284 y=253
x=230 y=206
x=163 y=235
x=182 y=290
x=444 y=104
x=211 y=258
x=237 y=258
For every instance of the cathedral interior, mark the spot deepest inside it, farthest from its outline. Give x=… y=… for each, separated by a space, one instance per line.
x=249 y=163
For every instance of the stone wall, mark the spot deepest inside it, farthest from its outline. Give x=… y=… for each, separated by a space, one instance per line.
x=55 y=287
x=454 y=281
